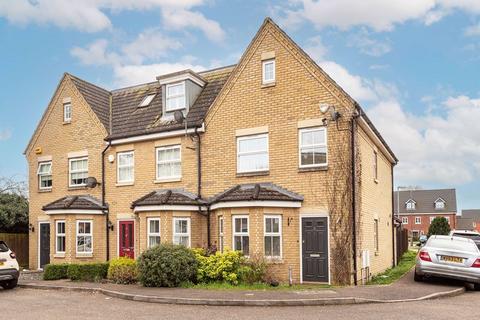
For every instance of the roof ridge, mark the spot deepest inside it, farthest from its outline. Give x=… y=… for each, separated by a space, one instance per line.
x=88 y=82
x=218 y=69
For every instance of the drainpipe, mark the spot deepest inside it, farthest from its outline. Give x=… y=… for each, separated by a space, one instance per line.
x=354 y=182
x=393 y=225
x=199 y=182
x=105 y=210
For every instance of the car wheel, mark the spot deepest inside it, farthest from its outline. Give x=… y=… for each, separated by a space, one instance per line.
x=417 y=277
x=476 y=286
x=9 y=284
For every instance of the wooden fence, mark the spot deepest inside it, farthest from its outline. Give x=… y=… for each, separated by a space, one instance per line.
x=18 y=242
x=402 y=242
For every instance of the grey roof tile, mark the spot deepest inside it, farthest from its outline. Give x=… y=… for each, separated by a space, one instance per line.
x=81 y=202
x=168 y=197
x=256 y=191
x=425 y=200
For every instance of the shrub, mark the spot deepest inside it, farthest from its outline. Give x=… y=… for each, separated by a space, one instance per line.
x=88 y=271
x=224 y=266
x=253 y=271
x=55 y=271
x=123 y=270
x=167 y=265
x=439 y=226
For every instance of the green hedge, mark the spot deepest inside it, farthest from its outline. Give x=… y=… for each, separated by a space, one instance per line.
x=123 y=270
x=88 y=271
x=55 y=271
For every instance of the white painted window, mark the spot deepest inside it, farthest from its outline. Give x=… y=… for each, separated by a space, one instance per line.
x=313 y=147
x=375 y=165
x=175 y=96
x=220 y=234
x=147 y=100
x=153 y=232
x=241 y=238
x=125 y=167
x=169 y=162
x=375 y=235
x=67 y=112
x=181 y=231
x=252 y=153
x=44 y=175
x=60 y=236
x=410 y=205
x=78 y=168
x=84 y=236
x=418 y=220
x=268 y=71
x=439 y=205
x=404 y=220
x=273 y=236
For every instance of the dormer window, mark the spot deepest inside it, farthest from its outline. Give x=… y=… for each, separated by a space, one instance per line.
x=175 y=97
x=410 y=204
x=439 y=204
x=147 y=100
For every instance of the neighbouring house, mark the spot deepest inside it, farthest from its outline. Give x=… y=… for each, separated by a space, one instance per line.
x=417 y=208
x=469 y=220
x=269 y=156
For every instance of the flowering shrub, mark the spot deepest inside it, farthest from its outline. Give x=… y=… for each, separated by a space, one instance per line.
x=123 y=270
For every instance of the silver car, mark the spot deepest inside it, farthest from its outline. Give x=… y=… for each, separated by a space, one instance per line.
x=449 y=257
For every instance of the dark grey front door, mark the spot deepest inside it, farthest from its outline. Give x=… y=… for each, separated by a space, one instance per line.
x=315 y=249
x=44 y=244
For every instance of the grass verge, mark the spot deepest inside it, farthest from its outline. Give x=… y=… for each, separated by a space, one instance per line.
x=254 y=286
x=391 y=275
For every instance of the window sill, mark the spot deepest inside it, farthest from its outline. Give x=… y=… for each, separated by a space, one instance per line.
x=252 y=174
x=84 y=255
x=167 y=180
x=310 y=169
x=268 y=84
x=44 y=190
x=124 y=184
x=274 y=260
x=77 y=188
x=59 y=255
x=67 y=122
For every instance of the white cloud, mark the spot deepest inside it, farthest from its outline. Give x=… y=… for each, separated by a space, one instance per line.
x=5 y=134
x=95 y=54
x=368 y=45
x=473 y=30
x=315 y=48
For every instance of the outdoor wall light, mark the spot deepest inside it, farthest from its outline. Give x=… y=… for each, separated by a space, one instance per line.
x=31 y=227
x=110 y=225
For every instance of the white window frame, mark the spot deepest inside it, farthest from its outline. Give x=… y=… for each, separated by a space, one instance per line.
x=67 y=112
x=70 y=160
x=418 y=220
x=410 y=205
x=60 y=235
x=239 y=154
x=241 y=234
x=221 y=233
x=182 y=234
x=153 y=234
x=147 y=100
x=301 y=146
x=184 y=95
x=132 y=165
x=404 y=220
x=40 y=175
x=273 y=234
x=264 y=64
x=157 y=151
x=83 y=235
x=438 y=202
x=375 y=165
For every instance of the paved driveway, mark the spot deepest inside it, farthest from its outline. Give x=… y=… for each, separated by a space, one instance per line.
x=40 y=304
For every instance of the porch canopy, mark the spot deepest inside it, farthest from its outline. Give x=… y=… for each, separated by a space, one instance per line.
x=78 y=204
x=169 y=199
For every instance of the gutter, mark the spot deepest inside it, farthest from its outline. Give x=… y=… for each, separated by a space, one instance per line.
x=105 y=210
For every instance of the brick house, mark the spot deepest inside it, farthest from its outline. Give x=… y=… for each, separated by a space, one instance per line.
x=418 y=208
x=269 y=156
x=469 y=220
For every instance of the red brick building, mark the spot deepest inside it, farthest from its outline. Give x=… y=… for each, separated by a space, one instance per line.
x=417 y=208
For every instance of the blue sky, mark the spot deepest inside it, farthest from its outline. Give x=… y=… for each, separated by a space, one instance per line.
x=413 y=65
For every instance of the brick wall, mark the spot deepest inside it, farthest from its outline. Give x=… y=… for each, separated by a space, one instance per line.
x=422 y=227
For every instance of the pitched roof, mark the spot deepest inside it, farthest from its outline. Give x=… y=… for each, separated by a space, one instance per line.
x=425 y=200
x=255 y=192
x=471 y=213
x=168 y=197
x=465 y=224
x=81 y=202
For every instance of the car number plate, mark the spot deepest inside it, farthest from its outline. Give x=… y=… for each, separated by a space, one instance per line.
x=452 y=259
x=1 y=263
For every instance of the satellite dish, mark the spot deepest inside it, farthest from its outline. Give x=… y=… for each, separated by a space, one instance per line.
x=91 y=182
x=178 y=115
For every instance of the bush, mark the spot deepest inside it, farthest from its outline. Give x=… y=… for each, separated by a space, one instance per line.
x=439 y=226
x=88 y=271
x=253 y=271
x=226 y=266
x=123 y=270
x=167 y=265
x=55 y=271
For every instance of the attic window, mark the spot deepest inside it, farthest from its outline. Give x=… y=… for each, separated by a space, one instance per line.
x=147 y=100
x=410 y=205
x=439 y=204
x=175 y=96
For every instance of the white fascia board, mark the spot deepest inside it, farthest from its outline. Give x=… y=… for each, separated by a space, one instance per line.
x=155 y=136
x=182 y=77
x=73 y=211
x=169 y=208
x=364 y=125
x=412 y=214
x=259 y=203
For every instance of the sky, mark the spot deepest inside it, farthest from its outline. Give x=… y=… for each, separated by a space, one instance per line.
x=413 y=65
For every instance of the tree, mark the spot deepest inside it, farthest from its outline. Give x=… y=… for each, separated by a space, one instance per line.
x=13 y=206
x=439 y=226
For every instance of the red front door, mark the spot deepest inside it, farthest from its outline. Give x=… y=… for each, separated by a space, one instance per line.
x=126 y=239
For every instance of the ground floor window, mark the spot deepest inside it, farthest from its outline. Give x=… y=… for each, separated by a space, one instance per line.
x=375 y=234
x=153 y=231
x=60 y=236
x=220 y=234
x=181 y=231
x=273 y=236
x=84 y=237
x=241 y=239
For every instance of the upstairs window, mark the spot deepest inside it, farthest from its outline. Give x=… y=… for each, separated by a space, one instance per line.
x=67 y=112
x=439 y=204
x=125 y=167
x=45 y=175
x=410 y=205
x=313 y=147
x=175 y=96
x=78 y=172
x=375 y=165
x=169 y=163
x=268 y=71
x=147 y=100
x=418 y=220
x=404 y=220
x=252 y=153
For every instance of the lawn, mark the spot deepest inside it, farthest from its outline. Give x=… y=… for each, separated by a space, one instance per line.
x=255 y=286
x=391 y=275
